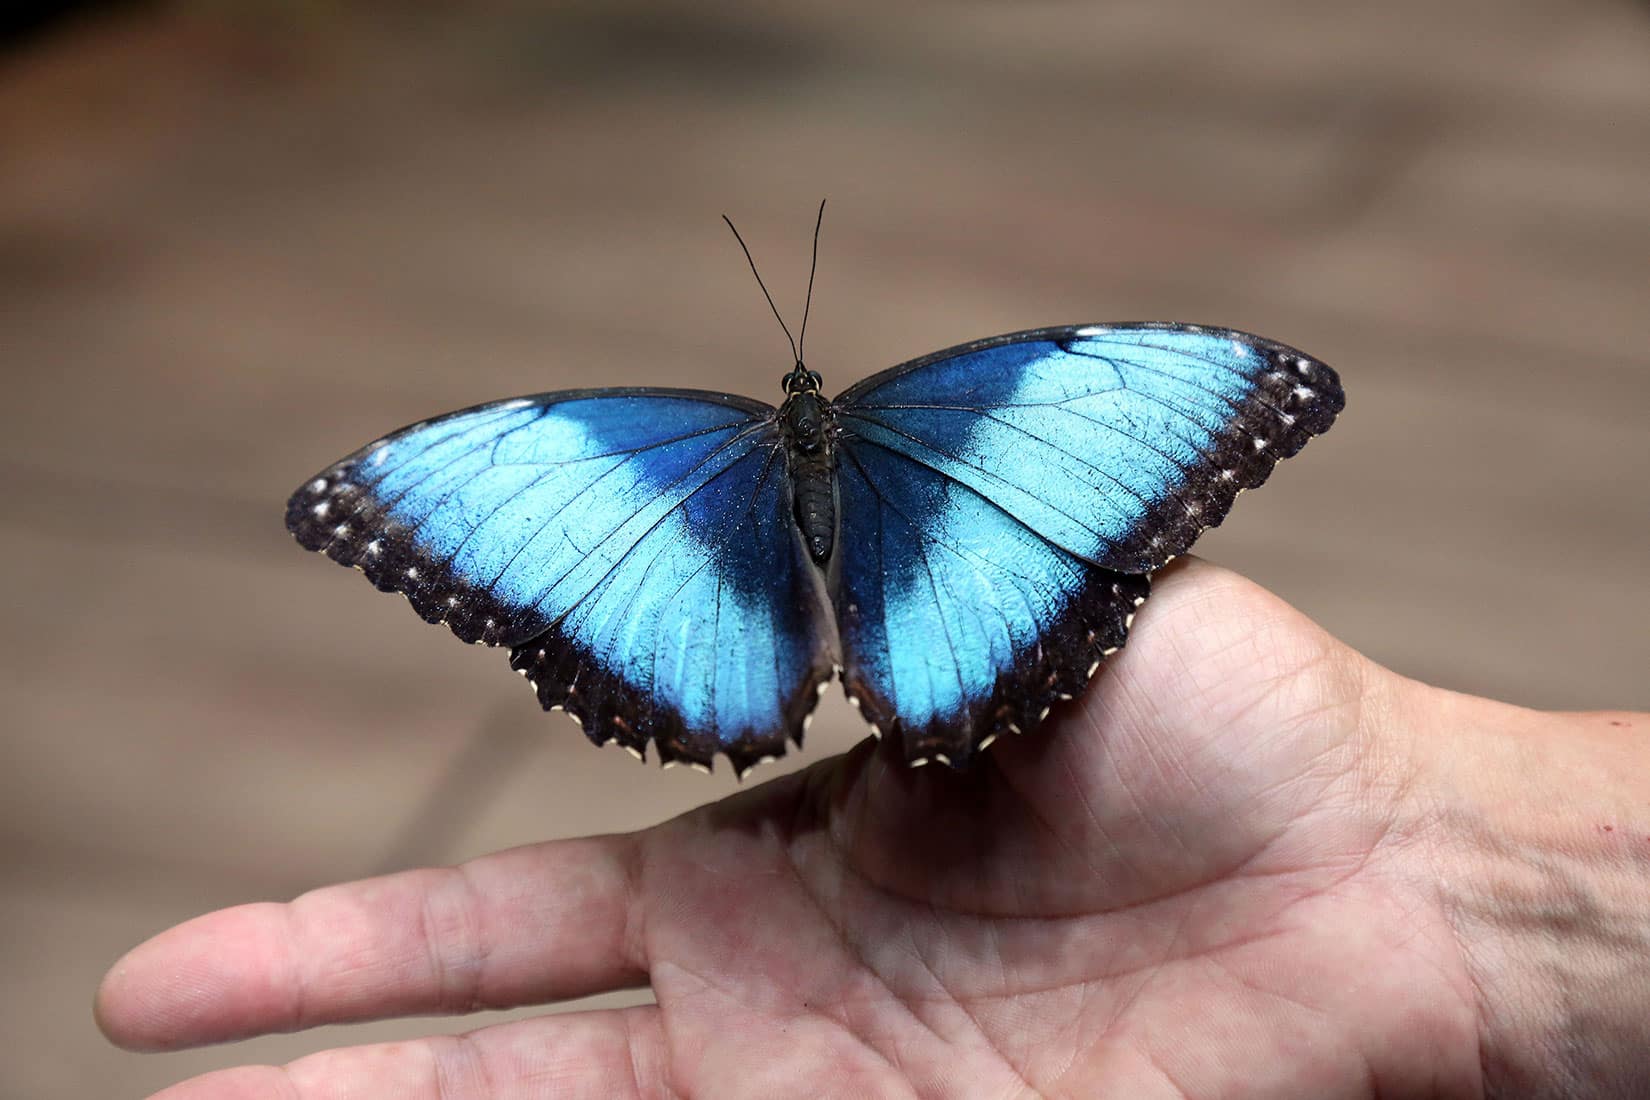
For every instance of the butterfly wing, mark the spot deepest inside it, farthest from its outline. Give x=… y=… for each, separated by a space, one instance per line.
x=633 y=548
x=1012 y=494
x=958 y=622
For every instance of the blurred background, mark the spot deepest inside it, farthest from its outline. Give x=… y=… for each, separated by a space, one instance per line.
x=237 y=240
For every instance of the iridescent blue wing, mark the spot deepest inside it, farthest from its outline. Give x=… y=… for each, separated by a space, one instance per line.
x=633 y=548
x=958 y=622
x=1004 y=501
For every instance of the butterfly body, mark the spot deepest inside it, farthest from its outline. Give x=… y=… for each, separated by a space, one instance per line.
x=809 y=424
x=963 y=539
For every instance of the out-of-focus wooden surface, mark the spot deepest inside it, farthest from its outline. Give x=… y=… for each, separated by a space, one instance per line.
x=231 y=251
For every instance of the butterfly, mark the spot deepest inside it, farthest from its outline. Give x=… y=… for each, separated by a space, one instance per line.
x=963 y=539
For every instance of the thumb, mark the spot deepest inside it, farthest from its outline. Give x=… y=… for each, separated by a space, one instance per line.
x=1226 y=718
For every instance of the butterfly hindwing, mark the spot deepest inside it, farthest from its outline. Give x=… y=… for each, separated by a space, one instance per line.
x=633 y=548
x=958 y=622
x=1004 y=502
x=1119 y=443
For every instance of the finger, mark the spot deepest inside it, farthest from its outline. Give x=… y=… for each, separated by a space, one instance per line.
x=618 y=1053
x=541 y=923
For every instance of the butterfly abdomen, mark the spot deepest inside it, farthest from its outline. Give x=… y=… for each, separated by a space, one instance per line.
x=811 y=487
x=812 y=468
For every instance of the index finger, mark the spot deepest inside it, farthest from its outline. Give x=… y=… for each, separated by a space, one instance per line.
x=539 y=923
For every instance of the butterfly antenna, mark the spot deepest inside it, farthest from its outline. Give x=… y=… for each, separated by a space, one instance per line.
x=748 y=259
x=813 y=266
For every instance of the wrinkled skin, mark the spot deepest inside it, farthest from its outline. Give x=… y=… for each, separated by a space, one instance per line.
x=1206 y=879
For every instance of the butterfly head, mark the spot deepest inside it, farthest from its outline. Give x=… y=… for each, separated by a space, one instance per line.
x=799 y=379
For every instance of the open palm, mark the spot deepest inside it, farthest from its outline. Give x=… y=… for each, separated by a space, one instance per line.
x=1191 y=884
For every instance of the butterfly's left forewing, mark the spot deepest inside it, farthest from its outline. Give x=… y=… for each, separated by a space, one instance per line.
x=633 y=548
x=1005 y=501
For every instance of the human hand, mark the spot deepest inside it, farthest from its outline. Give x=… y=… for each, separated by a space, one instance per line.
x=1249 y=863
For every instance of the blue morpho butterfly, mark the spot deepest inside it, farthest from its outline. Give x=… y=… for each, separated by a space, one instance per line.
x=963 y=538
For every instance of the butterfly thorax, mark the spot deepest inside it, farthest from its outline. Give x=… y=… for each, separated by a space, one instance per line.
x=807 y=423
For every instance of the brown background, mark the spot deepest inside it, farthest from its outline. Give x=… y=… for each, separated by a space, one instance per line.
x=236 y=242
